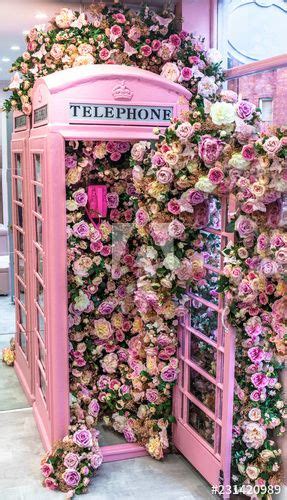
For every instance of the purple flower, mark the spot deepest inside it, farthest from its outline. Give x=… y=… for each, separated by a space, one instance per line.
x=96 y=460
x=94 y=408
x=46 y=469
x=259 y=380
x=70 y=161
x=168 y=374
x=245 y=110
x=209 y=149
x=71 y=477
x=142 y=217
x=256 y=355
x=112 y=200
x=80 y=198
x=195 y=197
x=81 y=229
x=71 y=460
x=129 y=435
x=83 y=438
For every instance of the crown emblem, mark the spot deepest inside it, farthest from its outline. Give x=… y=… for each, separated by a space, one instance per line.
x=122 y=92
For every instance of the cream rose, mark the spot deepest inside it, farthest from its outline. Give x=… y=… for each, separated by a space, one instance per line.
x=237 y=161
x=205 y=185
x=170 y=71
x=222 y=113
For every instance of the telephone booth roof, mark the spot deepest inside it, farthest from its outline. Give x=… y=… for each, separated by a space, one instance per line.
x=104 y=101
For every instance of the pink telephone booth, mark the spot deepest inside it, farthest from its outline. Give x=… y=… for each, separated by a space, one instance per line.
x=21 y=235
x=99 y=102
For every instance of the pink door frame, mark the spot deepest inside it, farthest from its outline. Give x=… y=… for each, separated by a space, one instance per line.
x=23 y=361
x=212 y=461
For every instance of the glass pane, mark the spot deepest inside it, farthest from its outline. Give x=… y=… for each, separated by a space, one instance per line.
x=37 y=167
x=19 y=215
x=20 y=269
x=22 y=317
x=204 y=319
x=20 y=242
x=41 y=353
x=43 y=385
x=203 y=354
x=202 y=389
x=23 y=342
x=22 y=294
x=214 y=213
x=207 y=287
x=39 y=262
x=40 y=294
x=210 y=247
x=18 y=165
x=38 y=224
x=203 y=425
x=19 y=189
x=38 y=199
x=40 y=323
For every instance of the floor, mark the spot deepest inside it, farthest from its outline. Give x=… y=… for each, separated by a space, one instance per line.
x=21 y=452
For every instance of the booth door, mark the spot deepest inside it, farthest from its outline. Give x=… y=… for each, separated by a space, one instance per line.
x=203 y=398
x=20 y=208
x=49 y=287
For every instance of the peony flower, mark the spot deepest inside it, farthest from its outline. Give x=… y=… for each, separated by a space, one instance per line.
x=83 y=438
x=259 y=380
x=205 y=185
x=222 y=113
x=142 y=217
x=185 y=74
x=110 y=363
x=207 y=86
x=102 y=329
x=164 y=175
x=254 y=435
x=104 y=54
x=215 y=175
x=184 y=131
x=245 y=110
x=47 y=469
x=245 y=226
x=272 y=145
x=210 y=149
x=71 y=460
x=115 y=32
x=176 y=229
x=170 y=71
x=65 y=18
x=71 y=477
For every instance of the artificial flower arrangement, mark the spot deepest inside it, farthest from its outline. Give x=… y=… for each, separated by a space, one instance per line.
x=127 y=291
x=114 y=35
x=8 y=354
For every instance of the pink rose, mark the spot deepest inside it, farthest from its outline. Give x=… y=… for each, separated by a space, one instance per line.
x=268 y=267
x=156 y=45
x=51 y=483
x=71 y=460
x=164 y=175
x=245 y=226
x=152 y=395
x=112 y=200
x=104 y=54
x=115 y=32
x=94 y=408
x=215 y=175
x=195 y=197
x=173 y=207
x=245 y=110
x=176 y=229
x=146 y=50
x=175 y=40
x=259 y=380
x=83 y=438
x=142 y=217
x=248 y=152
x=209 y=149
x=71 y=477
x=96 y=459
x=256 y=355
x=272 y=145
x=186 y=74
x=47 y=469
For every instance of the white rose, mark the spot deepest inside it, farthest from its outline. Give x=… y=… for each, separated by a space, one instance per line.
x=237 y=161
x=170 y=71
x=222 y=113
x=205 y=185
x=252 y=472
x=207 y=86
x=171 y=262
x=82 y=301
x=213 y=56
x=71 y=205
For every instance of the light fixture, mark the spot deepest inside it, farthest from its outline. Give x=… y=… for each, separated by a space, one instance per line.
x=41 y=15
x=15 y=47
x=5 y=59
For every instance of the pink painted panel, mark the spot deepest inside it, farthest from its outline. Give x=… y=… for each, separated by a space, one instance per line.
x=200 y=18
x=203 y=398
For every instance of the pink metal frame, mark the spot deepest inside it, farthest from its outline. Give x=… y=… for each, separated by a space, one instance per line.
x=212 y=461
x=21 y=231
x=257 y=67
x=47 y=139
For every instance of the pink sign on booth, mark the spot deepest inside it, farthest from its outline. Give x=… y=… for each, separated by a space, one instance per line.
x=96 y=102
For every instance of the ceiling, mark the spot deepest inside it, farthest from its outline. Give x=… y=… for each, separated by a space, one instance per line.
x=20 y=15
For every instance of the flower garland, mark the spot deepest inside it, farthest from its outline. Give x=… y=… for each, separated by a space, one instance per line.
x=114 y=35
